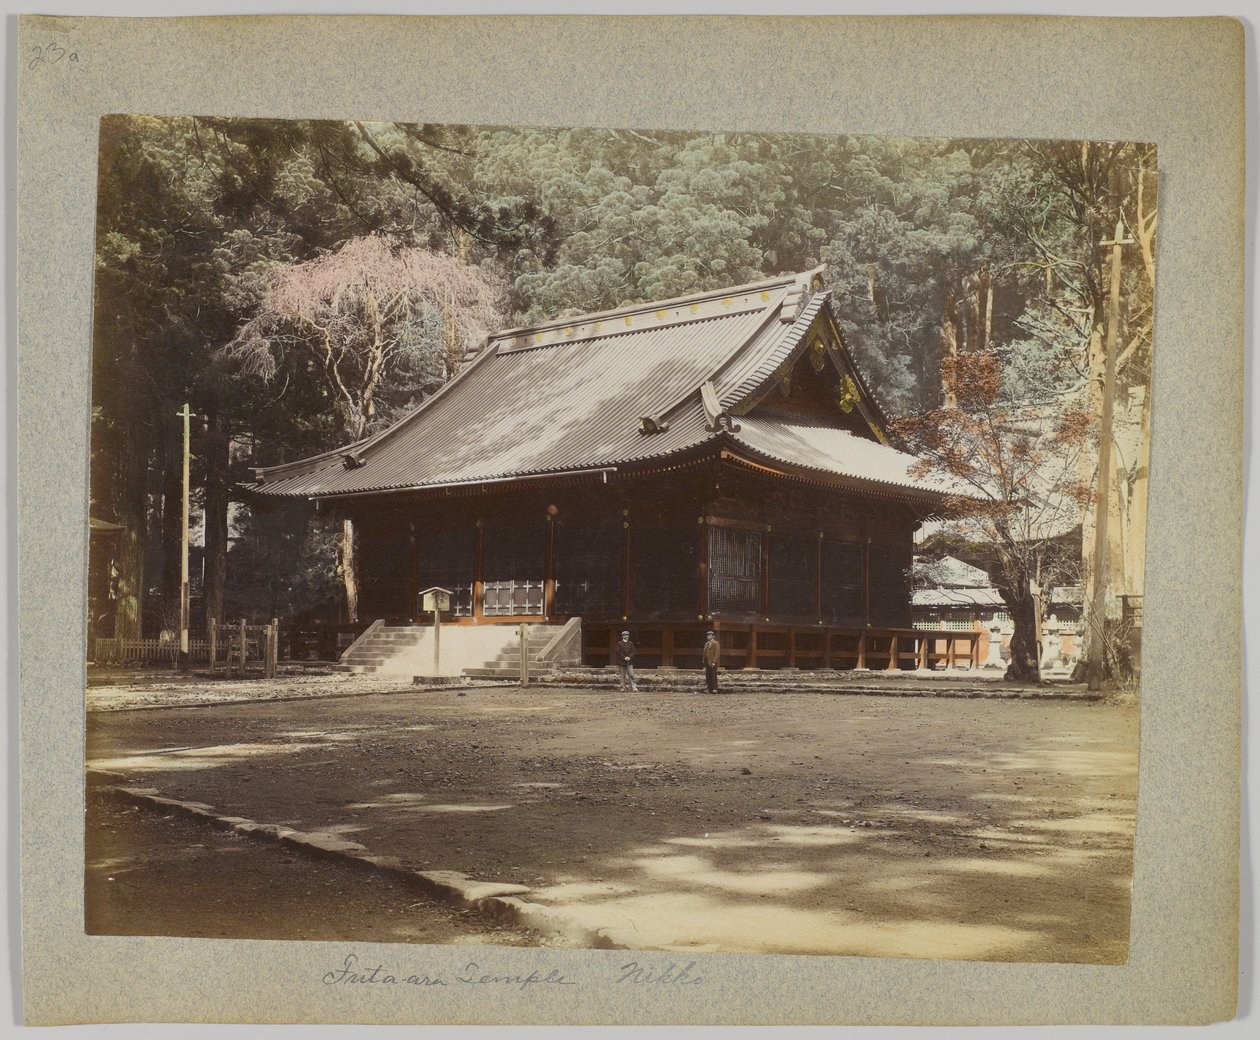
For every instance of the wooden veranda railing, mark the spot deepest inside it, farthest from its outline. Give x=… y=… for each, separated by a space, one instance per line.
x=670 y=645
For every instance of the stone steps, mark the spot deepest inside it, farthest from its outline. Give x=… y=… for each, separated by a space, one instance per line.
x=395 y=650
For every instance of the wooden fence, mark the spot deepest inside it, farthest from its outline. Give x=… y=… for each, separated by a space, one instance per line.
x=135 y=651
x=232 y=647
x=240 y=642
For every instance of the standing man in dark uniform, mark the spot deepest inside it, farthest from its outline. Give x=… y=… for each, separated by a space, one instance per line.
x=625 y=663
x=712 y=653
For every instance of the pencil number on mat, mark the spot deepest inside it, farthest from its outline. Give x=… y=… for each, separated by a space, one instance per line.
x=52 y=53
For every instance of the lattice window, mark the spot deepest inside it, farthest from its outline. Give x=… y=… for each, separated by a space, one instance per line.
x=734 y=569
x=512 y=597
x=946 y=624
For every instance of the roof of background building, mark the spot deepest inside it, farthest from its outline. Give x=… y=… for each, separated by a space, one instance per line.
x=578 y=394
x=951 y=572
x=1060 y=595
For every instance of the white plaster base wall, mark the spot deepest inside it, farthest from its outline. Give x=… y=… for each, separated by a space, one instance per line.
x=463 y=646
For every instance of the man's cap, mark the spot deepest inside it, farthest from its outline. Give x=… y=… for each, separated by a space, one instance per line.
x=709 y=633
x=626 y=633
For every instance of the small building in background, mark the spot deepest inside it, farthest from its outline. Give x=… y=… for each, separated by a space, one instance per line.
x=952 y=595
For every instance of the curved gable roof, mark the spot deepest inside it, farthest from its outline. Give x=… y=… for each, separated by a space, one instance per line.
x=578 y=394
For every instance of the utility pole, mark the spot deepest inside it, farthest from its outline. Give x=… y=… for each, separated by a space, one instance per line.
x=186 y=414
x=1098 y=605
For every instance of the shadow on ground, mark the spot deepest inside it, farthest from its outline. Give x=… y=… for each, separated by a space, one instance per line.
x=961 y=829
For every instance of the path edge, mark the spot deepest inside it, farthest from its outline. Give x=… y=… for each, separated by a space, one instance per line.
x=497 y=902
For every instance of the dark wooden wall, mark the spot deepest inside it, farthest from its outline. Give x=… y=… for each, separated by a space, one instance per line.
x=708 y=541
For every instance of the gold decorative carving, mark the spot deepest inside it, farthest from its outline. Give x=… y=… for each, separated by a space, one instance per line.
x=848 y=395
x=817 y=353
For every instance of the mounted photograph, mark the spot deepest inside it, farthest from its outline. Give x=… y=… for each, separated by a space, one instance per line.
x=655 y=540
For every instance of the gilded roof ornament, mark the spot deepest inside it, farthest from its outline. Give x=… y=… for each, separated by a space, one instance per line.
x=848 y=395
x=817 y=353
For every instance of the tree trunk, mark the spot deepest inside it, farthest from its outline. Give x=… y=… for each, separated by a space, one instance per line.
x=349 y=569
x=1089 y=464
x=130 y=510
x=988 y=312
x=1135 y=546
x=128 y=601
x=1025 y=665
x=975 y=317
x=876 y=297
x=215 y=453
x=172 y=518
x=949 y=341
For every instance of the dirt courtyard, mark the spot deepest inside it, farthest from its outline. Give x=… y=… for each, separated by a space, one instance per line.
x=978 y=829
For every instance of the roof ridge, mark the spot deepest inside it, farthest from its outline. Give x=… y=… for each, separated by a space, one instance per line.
x=630 y=330
x=780 y=280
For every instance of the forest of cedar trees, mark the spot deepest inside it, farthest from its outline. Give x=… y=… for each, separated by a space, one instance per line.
x=304 y=283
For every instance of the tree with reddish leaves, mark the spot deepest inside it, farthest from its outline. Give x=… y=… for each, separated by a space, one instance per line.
x=1015 y=475
x=381 y=322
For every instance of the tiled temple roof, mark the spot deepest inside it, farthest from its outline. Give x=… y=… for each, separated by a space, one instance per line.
x=617 y=389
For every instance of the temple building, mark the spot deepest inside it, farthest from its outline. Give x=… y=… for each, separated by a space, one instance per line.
x=715 y=461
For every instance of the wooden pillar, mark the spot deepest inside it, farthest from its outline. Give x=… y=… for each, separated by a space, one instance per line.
x=752 y=647
x=923 y=651
x=273 y=640
x=951 y=646
x=479 y=552
x=244 y=645
x=625 y=569
x=818 y=566
x=893 y=662
x=549 y=569
x=702 y=569
x=866 y=581
x=212 y=641
x=765 y=573
x=826 y=647
x=861 y=660
x=413 y=572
